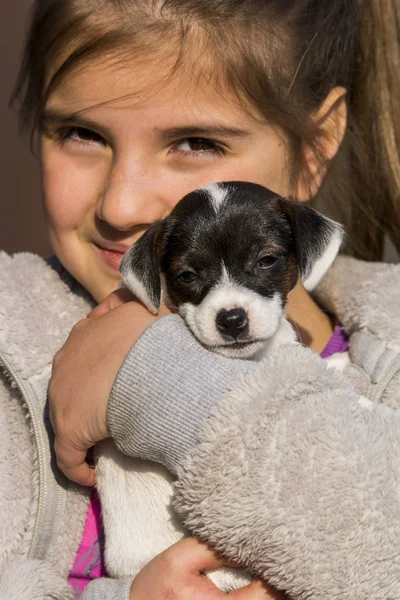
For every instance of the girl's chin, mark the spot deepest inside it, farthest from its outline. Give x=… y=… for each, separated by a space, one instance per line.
x=101 y=287
x=100 y=277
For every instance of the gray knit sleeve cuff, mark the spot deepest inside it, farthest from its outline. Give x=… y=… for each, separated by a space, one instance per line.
x=164 y=391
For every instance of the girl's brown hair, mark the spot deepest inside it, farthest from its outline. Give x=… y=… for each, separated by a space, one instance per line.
x=282 y=56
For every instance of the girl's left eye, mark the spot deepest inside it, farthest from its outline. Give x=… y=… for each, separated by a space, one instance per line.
x=199 y=146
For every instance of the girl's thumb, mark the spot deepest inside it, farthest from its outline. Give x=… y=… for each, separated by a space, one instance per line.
x=257 y=590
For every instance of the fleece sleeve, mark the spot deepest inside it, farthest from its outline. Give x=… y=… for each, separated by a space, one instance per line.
x=161 y=420
x=287 y=470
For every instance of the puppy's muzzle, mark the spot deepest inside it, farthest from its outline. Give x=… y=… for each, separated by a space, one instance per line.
x=232 y=322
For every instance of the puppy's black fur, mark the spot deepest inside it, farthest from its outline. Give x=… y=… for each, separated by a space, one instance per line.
x=252 y=224
x=227 y=257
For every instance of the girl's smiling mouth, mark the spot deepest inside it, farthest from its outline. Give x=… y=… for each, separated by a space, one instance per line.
x=111 y=254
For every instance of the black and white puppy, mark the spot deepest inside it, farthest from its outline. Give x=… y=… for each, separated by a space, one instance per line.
x=227 y=257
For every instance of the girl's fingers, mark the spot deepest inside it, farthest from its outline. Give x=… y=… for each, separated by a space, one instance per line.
x=194 y=556
x=99 y=310
x=257 y=590
x=117 y=298
x=113 y=300
x=72 y=463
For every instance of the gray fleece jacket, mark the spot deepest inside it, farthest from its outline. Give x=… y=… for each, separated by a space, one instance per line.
x=280 y=465
x=42 y=514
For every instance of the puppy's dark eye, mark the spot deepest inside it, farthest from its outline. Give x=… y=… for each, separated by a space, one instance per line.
x=187 y=277
x=265 y=262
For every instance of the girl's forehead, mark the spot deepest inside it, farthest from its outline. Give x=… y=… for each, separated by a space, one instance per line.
x=146 y=87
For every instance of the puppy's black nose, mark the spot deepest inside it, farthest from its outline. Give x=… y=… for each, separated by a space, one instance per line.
x=231 y=322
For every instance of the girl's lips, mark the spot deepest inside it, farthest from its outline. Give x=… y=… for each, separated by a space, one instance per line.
x=111 y=258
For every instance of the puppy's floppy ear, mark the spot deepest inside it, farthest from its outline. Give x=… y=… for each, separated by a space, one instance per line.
x=318 y=240
x=140 y=268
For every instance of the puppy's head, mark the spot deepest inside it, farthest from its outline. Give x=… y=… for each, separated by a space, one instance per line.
x=227 y=256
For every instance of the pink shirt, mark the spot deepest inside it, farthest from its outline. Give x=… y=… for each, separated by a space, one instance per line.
x=89 y=561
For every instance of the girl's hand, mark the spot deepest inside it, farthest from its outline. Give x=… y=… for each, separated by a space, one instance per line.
x=83 y=374
x=177 y=574
x=113 y=300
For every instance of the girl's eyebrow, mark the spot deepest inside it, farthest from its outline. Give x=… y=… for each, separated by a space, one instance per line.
x=51 y=117
x=203 y=130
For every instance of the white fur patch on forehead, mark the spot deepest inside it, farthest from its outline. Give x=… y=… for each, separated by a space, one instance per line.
x=216 y=193
x=225 y=279
x=322 y=264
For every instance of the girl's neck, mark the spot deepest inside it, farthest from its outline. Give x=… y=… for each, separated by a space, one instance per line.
x=314 y=326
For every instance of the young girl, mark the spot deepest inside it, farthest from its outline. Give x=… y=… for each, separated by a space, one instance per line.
x=136 y=103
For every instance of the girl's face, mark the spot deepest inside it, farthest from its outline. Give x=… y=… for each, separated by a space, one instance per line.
x=133 y=151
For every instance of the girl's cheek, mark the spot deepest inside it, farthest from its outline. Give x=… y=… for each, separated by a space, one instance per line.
x=265 y=162
x=273 y=175
x=70 y=188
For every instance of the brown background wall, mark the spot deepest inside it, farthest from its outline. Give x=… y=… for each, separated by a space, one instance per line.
x=21 y=219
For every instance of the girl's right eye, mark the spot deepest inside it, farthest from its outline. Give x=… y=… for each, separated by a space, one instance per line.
x=80 y=135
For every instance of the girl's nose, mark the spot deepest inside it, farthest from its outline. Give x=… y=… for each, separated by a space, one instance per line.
x=132 y=197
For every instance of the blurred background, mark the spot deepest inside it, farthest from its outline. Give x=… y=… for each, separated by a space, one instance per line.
x=21 y=216
x=22 y=225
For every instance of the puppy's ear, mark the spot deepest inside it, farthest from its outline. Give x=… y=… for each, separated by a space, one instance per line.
x=140 y=268
x=318 y=240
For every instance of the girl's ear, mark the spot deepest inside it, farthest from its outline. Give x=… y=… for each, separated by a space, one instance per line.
x=140 y=268
x=331 y=121
x=318 y=240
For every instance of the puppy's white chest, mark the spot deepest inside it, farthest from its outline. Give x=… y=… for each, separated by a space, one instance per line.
x=139 y=520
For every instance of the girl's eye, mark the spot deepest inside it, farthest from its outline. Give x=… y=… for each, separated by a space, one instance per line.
x=187 y=277
x=199 y=146
x=80 y=135
x=266 y=262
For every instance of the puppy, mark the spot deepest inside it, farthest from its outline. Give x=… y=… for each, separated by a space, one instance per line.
x=226 y=257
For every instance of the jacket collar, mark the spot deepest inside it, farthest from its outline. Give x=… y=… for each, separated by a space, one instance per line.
x=39 y=304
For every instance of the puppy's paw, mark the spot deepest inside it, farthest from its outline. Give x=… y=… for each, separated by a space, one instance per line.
x=228 y=578
x=338 y=361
